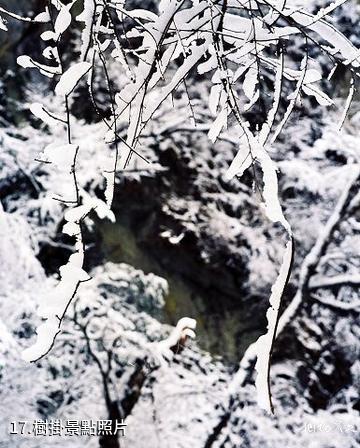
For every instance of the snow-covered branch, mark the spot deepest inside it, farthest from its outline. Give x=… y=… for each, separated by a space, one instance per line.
x=320 y=281
x=337 y=304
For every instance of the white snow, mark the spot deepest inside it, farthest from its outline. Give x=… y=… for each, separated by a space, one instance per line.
x=71 y=77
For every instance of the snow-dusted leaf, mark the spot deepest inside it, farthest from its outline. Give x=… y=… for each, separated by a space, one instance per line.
x=77 y=213
x=214 y=98
x=253 y=100
x=62 y=21
x=292 y=98
x=319 y=95
x=51 y=53
x=71 y=77
x=311 y=76
x=2 y=24
x=218 y=125
x=62 y=156
x=43 y=17
x=103 y=210
x=272 y=205
x=71 y=228
x=241 y=161
x=47 y=70
x=348 y=103
x=40 y=112
x=25 y=61
x=48 y=35
x=250 y=83
x=208 y=65
x=87 y=17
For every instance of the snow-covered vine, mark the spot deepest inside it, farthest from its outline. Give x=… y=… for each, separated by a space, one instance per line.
x=236 y=44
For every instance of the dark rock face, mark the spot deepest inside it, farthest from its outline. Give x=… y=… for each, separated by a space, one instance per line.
x=200 y=255
x=176 y=213
x=184 y=219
